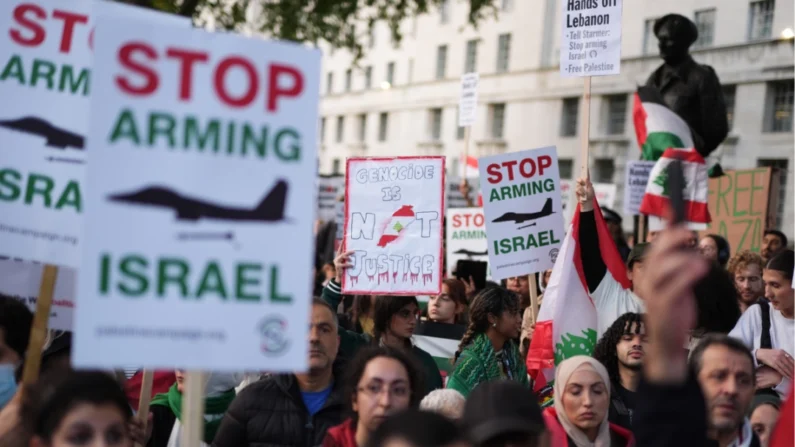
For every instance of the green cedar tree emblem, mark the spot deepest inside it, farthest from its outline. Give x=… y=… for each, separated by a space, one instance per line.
x=662 y=180
x=398 y=226
x=572 y=345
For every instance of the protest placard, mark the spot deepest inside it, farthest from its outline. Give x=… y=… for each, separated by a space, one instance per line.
x=591 y=38
x=605 y=196
x=330 y=189
x=468 y=101
x=201 y=202
x=523 y=209
x=45 y=61
x=454 y=197
x=339 y=221
x=394 y=209
x=21 y=280
x=466 y=236
x=636 y=178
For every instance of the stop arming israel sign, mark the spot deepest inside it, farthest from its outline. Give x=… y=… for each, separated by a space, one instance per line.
x=394 y=209
x=466 y=236
x=523 y=210
x=201 y=201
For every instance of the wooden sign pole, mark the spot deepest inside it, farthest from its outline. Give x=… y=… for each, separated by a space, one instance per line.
x=145 y=398
x=641 y=229
x=531 y=278
x=470 y=202
x=193 y=408
x=38 y=332
x=586 y=130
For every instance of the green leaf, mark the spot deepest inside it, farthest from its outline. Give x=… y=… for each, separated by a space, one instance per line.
x=572 y=345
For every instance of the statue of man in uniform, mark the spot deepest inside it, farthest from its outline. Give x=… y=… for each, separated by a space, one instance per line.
x=689 y=89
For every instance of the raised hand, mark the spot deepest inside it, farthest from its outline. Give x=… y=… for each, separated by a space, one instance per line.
x=585 y=194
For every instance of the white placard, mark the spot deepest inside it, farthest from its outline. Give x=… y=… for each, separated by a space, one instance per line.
x=466 y=236
x=21 y=280
x=454 y=197
x=201 y=201
x=605 y=196
x=468 y=101
x=394 y=209
x=591 y=38
x=637 y=176
x=523 y=209
x=330 y=188
x=45 y=60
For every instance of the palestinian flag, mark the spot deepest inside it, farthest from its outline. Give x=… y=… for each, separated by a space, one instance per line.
x=657 y=127
x=567 y=321
x=441 y=341
x=655 y=201
x=399 y=221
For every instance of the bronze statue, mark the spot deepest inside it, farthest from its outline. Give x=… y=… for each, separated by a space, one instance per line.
x=691 y=90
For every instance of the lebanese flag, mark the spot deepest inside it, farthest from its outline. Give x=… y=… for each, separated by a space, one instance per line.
x=656 y=126
x=656 y=202
x=567 y=321
x=399 y=221
x=471 y=168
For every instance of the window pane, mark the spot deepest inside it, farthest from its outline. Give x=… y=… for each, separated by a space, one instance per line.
x=444 y=11
x=566 y=166
x=322 y=129
x=497 y=120
x=760 y=24
x=436 y=124
x=503 y=52
x=616 y=114
x=649 y=39
x=568 y=120
x=604 y=170
x=390 y=73
x=705 y=22
x=348 y=79
x=340 y=128
x=383 y=125
x=459 y=132
x=330 y=83
x=335 y=166
x=441 y=61
x=362 y=127
x=729 y=92
x=507 y=5
x=368 y=77
x=471 y=61
x=779 y=106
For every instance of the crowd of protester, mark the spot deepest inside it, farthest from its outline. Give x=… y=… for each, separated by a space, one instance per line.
x=698 y=351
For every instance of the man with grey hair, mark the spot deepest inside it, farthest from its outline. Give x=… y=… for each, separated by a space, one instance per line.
x=447 y=402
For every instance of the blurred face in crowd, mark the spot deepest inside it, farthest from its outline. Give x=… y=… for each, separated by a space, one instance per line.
x=763 y=420
x=7 y=355
x=631 y=348
x=586 y=399
x=508 y=323
x=771 y=244
x=635 y=274
x=778 y=290
x=519 y=285
x=442 y=308
x=180 y=374
x=89 y=425
x=547 y=275
x=383 y=390
x=708 y=248
x=405 y=321
x=727 y=381
x=748 y=279
x=323 y=339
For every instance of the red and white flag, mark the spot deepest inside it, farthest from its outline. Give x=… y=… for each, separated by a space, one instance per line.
x=471 y=167
x=656 y=202
x=397 y=224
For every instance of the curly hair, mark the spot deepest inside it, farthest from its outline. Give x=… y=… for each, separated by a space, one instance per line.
x=742 y=260
x=490 y=301
x=605 y=350
x=385 y=308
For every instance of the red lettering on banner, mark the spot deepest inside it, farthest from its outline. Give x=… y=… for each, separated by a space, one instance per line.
x=126 y=54
x=528 y=168
x=274 y=91
x=22 y=15
x=186 y=59
x=220 y=84
x=70 y=19
x=468 y=220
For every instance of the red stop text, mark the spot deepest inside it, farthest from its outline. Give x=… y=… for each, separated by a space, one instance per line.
x=525 y=168
x=29 y=28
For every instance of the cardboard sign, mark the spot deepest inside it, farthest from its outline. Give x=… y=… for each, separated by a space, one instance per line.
x=21 y=280
x=45 y=60
x=636 y=178
x=330 y=189
x=454 y=197
x=468 y=101
x=393 y=223
x=523 y=209
x=605 y=196
x=201 y=207
x=591 y=42
x=466 y=236
x=743 y=205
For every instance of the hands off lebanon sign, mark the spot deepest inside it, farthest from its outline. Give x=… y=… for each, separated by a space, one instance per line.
x=200 y=203
x=393 y=224
x=523 y=210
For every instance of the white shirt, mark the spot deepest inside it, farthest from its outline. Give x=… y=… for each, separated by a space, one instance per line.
x=612 y=300
x=782 y=335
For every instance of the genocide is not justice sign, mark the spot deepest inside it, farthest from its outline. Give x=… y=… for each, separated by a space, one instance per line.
x=394 y=209
x=200 y=201
x=523 y=210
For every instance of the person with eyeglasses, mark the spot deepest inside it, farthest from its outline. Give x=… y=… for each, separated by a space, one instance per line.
x=382 y=381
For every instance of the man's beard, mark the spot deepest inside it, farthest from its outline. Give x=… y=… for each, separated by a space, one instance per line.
x=632 y=367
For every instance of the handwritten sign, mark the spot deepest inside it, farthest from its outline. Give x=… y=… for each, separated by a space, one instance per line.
x=741 y=205
x=393 y=224
x=591 y=42
x=330 y=188
x=466 y=236
x=468 y=102
x=636 y=178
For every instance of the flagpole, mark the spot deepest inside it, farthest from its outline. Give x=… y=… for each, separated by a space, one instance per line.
x=531 y=278
x=470 y=202
x=586 y=129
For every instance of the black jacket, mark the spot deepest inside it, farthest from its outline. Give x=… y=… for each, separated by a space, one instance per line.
x=271 y=413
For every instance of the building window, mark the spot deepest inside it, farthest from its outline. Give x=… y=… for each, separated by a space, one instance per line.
x=383 y=126
x=348 y=79
x=444 y=11
x=471 y=58
x=778 y=106
x=649 y=39
x=368 y=77
x=705 y=22
x=390 y=74
x=782 y=165
x=729 y=92
x=760 y=19
x=616 y=114
x=371 y=36
x=566 y=166
x=497 y=114
x=329 y=83
x=340 y=128
x=441 y=61
x=362 y=127
x=568 y=118
x=605 y=169
x=507 y=5
x=460 y=132
x=322 y=129
x=335 y=166
x=411 y=71
x=503 y=52
x=436 y=124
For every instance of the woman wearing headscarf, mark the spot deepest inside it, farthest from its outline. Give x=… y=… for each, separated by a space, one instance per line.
x=582 y=400
x=166 y=409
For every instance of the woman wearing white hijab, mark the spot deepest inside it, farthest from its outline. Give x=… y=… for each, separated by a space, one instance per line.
x=582 y=400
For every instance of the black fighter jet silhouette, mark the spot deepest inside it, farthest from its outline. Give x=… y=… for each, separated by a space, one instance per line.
x=270 y=209
x=56 y=137
x=470 y=253
x=522 y=217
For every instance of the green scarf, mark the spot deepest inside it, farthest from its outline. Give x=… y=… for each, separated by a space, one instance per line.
x=214 y=408
x=478 y=363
